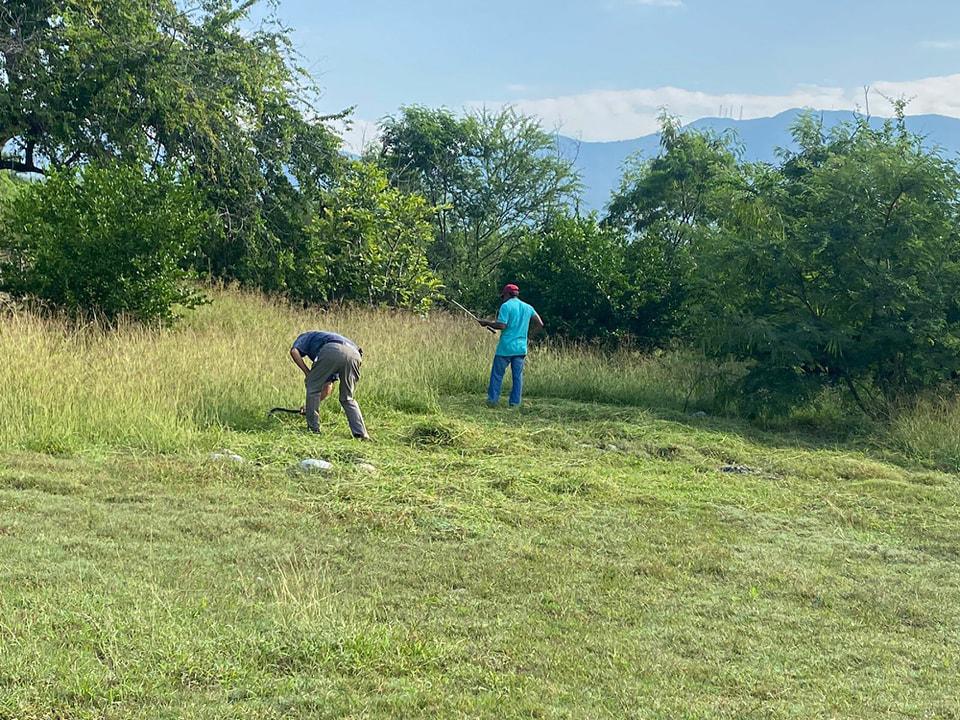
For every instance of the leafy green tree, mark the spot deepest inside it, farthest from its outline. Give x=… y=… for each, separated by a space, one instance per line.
x=369 y=245
x=109 y=240
x=842 y=266
x=669 y=206
x=573 y=272
x=493 y=176
x=155 y=83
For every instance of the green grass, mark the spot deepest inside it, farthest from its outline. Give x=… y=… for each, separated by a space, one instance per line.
x=72 y=388
x=572 y=560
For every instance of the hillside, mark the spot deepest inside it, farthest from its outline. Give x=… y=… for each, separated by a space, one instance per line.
x=604 y=552
x=600 y=163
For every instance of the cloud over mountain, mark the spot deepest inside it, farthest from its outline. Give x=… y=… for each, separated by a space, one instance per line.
x=604 y=115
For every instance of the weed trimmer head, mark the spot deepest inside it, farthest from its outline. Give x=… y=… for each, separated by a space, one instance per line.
x=288 y=411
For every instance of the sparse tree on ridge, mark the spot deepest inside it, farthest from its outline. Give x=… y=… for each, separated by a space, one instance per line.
x=492 y=175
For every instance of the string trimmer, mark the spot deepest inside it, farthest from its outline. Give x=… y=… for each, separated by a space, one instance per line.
x=471 y=315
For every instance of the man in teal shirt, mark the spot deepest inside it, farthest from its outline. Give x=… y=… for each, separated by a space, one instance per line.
x=513 y=321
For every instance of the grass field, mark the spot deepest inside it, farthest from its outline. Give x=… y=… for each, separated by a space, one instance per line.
x=586 y=557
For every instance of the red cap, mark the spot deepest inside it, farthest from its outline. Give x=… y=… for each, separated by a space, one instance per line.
x=510 y=289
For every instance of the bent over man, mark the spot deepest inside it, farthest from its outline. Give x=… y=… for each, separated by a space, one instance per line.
x=513 y=321
x=334 y=358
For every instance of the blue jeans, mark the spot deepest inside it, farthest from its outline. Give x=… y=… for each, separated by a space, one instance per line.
x=500 y=363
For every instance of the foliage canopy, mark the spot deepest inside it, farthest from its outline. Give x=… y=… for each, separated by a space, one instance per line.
x=109 y=240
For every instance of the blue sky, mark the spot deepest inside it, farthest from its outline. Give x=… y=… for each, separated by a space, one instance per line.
x=601 y=70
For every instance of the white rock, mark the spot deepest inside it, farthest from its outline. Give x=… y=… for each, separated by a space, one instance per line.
x=367 y=467
x=314 y=465
x=225 y=456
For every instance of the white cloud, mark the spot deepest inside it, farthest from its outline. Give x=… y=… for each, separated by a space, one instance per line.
x=933 y=95
x=624 y=114
x=941 y=44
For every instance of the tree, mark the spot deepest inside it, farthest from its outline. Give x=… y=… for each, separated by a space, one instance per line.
x=842 y=266
x=110 y=240
x=493 y=176
x=668 y=206
x=152 y=83
x=369 y=245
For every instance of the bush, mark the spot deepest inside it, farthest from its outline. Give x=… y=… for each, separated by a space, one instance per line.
x=9 y=187
x=595 y=284
x=369 y=245
x=109 y=241
x=841 y=267
x=573 y=274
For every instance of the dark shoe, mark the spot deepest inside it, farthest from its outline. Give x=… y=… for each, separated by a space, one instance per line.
x=364 y=438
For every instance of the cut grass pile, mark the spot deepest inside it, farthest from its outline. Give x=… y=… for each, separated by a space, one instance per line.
x=572 y=560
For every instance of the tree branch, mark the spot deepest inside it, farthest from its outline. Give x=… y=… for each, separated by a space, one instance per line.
x=27 y=165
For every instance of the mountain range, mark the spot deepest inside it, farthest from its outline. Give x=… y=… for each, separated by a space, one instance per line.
x=601 y=163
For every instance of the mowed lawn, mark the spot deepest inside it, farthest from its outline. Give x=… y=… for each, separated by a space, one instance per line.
x=571 y=561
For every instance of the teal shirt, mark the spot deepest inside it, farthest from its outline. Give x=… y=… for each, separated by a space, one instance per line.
x=516 y=315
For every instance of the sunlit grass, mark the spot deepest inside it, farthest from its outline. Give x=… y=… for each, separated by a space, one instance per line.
x=66 y=386
x=592 y=555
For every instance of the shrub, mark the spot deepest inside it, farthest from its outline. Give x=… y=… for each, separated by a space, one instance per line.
x=573 y=274
x=9 y=187
x=595 y=283
x=110 y=241
x=842 y=267
x=369 y=245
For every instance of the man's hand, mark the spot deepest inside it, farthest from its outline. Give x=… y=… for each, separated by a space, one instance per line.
x=326 y=390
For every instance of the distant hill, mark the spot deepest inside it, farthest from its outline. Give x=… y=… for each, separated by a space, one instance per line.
x=600 y=163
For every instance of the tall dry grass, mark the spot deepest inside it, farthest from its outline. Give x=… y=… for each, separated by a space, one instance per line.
x=65 y=386
x=69 y=387
x=926 y=430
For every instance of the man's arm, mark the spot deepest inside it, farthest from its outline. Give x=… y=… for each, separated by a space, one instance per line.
x=497 y=324
x=537 y=322
x=298 y=360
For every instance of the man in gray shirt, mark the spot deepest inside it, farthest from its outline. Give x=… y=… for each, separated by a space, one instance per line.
x=334 y=358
